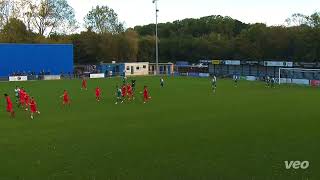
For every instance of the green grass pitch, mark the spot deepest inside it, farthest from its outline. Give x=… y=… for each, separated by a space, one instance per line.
x=184 y=133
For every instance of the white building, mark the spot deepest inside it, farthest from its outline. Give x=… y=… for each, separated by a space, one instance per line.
x=136 y=69
x=164 y=68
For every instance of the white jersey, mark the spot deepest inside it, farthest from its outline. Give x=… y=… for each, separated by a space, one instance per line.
x=16 y=92
x=214 y=79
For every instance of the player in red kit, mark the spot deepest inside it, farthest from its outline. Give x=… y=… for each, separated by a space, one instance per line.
x=21 y=97
x=84 y=84
x=9 y=106
x=98 y=94
x=66 y=98
x=33 y=107
x=123 y=92
x=130 y=92
x=26 y=100
x=146 y=96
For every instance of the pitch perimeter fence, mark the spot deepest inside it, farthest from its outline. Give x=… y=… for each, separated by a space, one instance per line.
x=307 y=82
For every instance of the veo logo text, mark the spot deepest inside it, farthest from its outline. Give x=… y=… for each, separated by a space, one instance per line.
x=297 y=164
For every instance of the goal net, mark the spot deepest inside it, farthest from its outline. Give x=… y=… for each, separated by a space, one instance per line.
x=299 y=76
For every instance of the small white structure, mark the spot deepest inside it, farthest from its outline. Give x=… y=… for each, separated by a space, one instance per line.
x=164 y=68
x=136 y=69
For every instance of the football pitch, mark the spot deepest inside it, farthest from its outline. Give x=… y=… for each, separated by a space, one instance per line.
x=184 y=133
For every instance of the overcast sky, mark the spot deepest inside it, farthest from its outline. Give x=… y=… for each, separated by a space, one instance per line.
x=141 y=12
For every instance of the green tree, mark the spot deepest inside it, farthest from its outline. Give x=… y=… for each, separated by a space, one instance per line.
x=298 y=19
x=15 y=32
x=108 y=47
x=87 y=45
x=315 y=19
x=103 y=19
x=4 y=14
x=146 y=50
x=52 y=16
x=132 y=42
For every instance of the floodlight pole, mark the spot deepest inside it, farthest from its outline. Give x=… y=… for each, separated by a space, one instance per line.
x=157 y=46
x=279 y=76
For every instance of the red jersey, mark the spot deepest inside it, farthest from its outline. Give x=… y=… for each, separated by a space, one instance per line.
x=21 y=95
x=65 y=96
x=98 y=92
x=124 y=91
x=9 y=104
x=84 y=83
x=145 y=93
x=33 y=106
x=129 y=89
x=26 y=98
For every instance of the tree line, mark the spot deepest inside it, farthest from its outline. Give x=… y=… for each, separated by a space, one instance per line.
x=104 y=37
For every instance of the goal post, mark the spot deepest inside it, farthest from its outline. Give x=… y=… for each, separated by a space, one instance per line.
x=289 y=75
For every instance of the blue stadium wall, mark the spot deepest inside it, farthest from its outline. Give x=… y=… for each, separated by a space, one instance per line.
x=53 y=58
